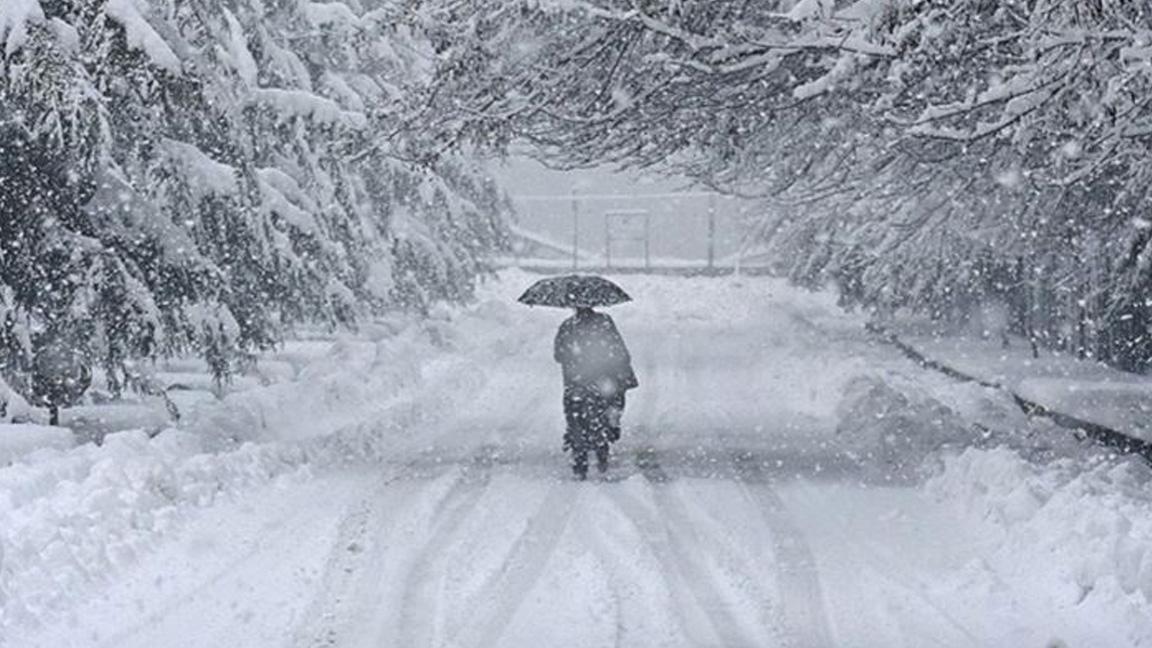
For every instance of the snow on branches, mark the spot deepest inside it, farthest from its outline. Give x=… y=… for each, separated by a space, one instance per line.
x=923 y=153
x=197 y=177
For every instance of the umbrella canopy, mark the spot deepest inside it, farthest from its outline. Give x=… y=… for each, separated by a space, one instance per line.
x=574 y=291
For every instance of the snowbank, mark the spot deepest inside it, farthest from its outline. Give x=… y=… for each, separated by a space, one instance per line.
x=95 y=422
x=20 y=439
x=1057 y=518
x=71 y=518
x=68 y=519
x=1082 y=534
x=888 y=424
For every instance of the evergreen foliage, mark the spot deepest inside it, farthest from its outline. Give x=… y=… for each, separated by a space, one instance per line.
x=197 y=176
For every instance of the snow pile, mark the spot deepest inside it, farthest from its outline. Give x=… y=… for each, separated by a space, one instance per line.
x=1081 y=535
x=96 y=421
x=888 y=423
x=20 y=439
x=390 y=366
x=70 y=518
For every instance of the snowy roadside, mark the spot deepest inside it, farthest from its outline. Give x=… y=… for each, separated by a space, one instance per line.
x=71 y=518
x=1081 y=508
x=1057 y=381
x=1042 y=521
x=1075 y=533
x=1063 y=521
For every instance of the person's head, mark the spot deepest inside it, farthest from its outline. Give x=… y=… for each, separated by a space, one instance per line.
x=584 y=310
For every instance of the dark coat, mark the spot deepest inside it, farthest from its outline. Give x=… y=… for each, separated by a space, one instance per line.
x=593 y=355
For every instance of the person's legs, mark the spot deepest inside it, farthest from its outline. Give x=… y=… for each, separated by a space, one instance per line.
x=576 y=414
x=571 y=417
x=614 y=415
x=602 y=457
x=580 y=462
x=598 y=428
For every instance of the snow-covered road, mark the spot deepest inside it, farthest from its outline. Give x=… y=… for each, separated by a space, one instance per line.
x=735 y=513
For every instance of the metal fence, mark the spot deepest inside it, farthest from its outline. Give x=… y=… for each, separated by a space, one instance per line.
x=632 y=232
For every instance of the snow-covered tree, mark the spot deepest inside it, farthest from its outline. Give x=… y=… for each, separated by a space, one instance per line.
x=199 y=176
x=923 y=153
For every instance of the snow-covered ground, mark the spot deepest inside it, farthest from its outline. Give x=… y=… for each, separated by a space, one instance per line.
x=783 y=481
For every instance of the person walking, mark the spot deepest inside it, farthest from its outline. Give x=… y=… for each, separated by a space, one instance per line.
x=594 y=361
x=597 y=370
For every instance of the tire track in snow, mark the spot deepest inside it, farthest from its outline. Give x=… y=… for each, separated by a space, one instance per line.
x=801 y=596
x=343 y=567
x=352 y=591
x=590 y=535
x=420 y=601
x=705 y=617
x=504 y=593
x=668 y=531
x=694 y=620
x=380 y=594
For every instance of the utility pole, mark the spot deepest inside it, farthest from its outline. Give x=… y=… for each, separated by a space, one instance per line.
x=575 y=231
x=711 y=231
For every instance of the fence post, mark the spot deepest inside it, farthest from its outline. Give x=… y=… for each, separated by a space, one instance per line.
x=711 y=231
x=575 y=230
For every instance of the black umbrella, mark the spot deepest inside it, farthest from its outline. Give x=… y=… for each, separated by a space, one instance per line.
x=573 y=291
